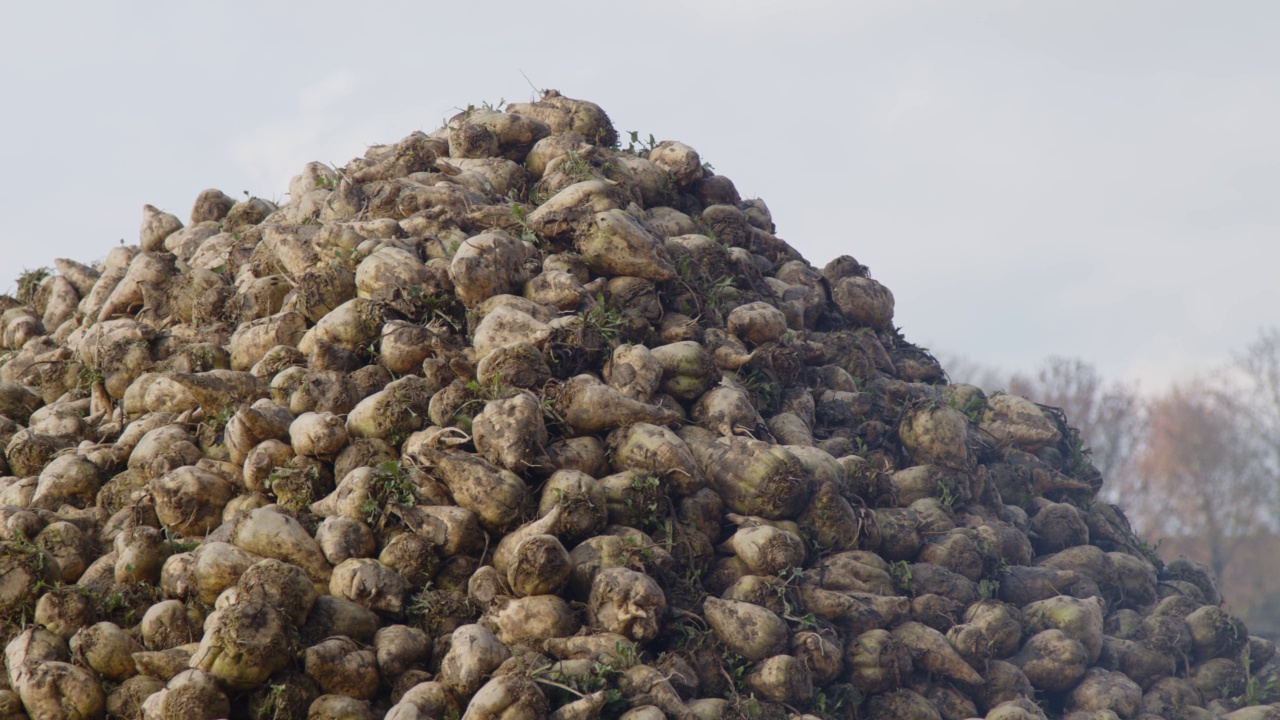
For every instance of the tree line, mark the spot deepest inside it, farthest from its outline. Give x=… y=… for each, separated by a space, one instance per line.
x=1195 y=466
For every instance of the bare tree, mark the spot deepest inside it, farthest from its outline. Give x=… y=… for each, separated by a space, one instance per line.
x=1110 y=417
x=1198 y=465
x=963 y=369
x=1258 y=368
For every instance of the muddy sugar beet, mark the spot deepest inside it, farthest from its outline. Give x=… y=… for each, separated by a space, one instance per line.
x=508 y=421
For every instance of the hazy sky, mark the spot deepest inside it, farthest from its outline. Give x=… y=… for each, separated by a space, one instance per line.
x=1097 y=179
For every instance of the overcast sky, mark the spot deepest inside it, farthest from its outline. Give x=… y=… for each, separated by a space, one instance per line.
x=1096 y=179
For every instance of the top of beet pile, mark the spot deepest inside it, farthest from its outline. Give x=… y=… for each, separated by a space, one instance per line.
x=507 y=421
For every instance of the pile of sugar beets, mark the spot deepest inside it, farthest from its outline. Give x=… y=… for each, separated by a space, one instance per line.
x=510 y=421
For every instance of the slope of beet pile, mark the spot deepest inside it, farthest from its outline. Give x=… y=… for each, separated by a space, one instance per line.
x=508 y=421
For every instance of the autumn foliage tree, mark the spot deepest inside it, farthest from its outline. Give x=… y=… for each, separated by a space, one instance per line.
x=1205 y=476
